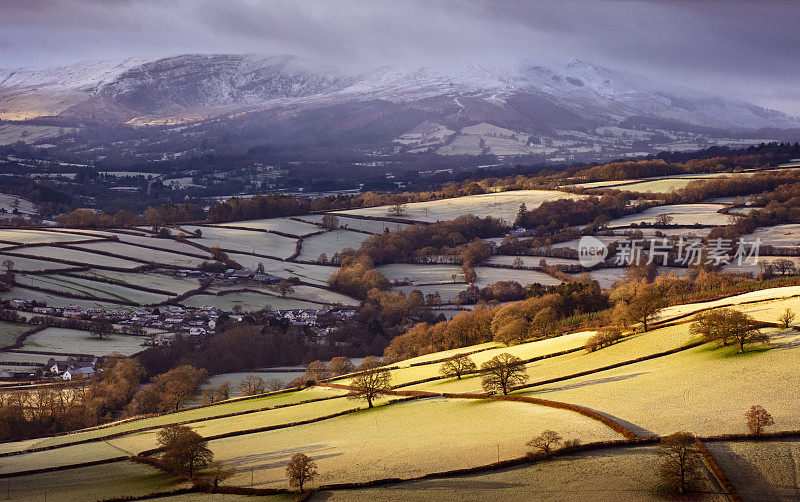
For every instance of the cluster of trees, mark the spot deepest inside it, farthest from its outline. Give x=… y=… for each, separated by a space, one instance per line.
x=156 y=216
x=167 y=391
x=603 y=338
x=59 y=408
x=501 y=291
x=553 y=216
x=728 y=326
x=547 y=311
x=418 y=242
x=260 y=206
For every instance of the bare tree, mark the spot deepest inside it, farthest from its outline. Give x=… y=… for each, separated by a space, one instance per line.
x=370 y=383
x=301 y=469
x=316 y=371
x=184 y=449
x=398 y=208
x=784 y=266
x=757 y=419
x=518 y=262
x=502 y=372
x=252 y=385
x=786 y=319
x=273 y=384
x=285 y=287
x=340 y=366
x=680 y=467
x=546 y=442
x=458 y=366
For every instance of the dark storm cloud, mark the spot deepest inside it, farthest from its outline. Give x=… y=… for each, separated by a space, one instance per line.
x=745 y=49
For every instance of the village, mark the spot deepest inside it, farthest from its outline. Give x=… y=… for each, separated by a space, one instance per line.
x=158 y=327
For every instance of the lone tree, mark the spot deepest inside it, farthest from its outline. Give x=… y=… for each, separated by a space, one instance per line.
x=502 y=372
x=680 y=467
x=370 y=383
x=285 y=287
x=252 y=385
x=301 y=469
x=546 y=442
x=330 y=221
x=757 y=419
x=101 y=327
x=786 y=319
x=398 y=208
x=184 y=449
x=458 y=366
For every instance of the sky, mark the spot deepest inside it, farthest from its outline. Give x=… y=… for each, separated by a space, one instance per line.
x=741 y=49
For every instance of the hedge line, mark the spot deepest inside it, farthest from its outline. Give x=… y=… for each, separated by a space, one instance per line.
x=20 y=341
x=149 y=428
x=63 y=467
x=717 y=472
x=266 y=428
x=77 y=296
x=119 y=283
x=77 y=263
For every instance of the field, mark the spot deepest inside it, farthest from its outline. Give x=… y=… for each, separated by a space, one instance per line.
x=503 y=205
x=599 y=475
x=371 y=226
x=72 y=341
x=283 y=225
x=248 y=301
x=9 y=331
x=329 y=243
x=30 y=236
x=489 y=275
x=95 y=289
x=78 y=256
x=761 y=470
x=404 y=439
x=779 y=235
x=530 y=261
x=422 y=274
x=248 y=241
x=97 y=482
x=682 y=214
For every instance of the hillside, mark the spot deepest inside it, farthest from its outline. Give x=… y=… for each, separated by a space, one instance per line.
x=659 y=383
x=523 y=107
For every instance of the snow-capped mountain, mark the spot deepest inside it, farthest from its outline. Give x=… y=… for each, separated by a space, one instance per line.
x=518 y=95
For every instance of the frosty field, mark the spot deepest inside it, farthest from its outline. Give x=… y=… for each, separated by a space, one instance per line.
x=502 y=205
x=405 y=439
x=73 y=341
x=682 y=214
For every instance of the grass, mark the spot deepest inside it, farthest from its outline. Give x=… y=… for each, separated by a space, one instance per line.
x=9 y=331
x=699 y=390
x=89 y=483
x=404 y=439
x=62 y=340
x=502 y=205
x=181 y=416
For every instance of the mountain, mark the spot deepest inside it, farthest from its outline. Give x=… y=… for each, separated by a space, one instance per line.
x=524 y=98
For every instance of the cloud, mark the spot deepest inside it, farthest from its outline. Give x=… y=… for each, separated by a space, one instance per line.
x=747 y=49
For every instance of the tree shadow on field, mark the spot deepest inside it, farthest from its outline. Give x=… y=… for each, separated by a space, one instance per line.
x=745 y=476
x=785 y=339
x=636 y=429
x=596 y=381
x=275 y=459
